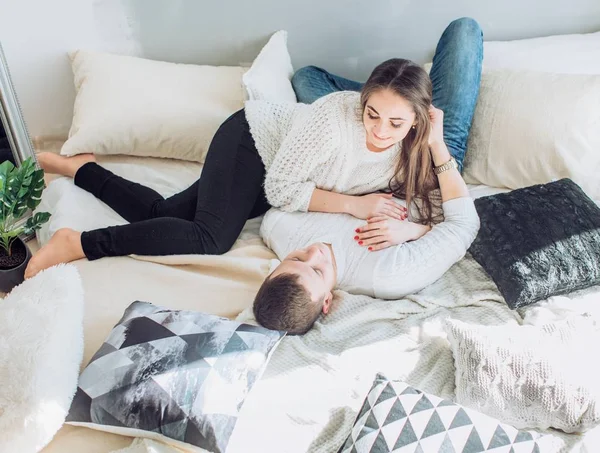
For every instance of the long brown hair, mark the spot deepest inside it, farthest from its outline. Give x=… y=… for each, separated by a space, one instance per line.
x=414 y=179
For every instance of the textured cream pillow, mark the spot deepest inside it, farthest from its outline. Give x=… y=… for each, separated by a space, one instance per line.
x=130 y=105
x=529 y=376
x=533 y=127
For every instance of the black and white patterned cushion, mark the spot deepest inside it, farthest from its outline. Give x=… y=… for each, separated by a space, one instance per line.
x=397 y=417
x=176 y=376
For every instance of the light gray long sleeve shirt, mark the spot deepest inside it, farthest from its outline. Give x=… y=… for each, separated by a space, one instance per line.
x=391 y=273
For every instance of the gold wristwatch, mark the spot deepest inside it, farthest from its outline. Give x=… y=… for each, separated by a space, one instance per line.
x=445 y=167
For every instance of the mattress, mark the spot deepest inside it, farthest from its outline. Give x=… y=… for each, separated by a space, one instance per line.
x=314 y=385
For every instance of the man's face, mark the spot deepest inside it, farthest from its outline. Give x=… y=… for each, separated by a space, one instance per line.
x=315 y=268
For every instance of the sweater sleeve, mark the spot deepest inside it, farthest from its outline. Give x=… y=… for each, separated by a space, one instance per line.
x=308 y=145
x=417 y=264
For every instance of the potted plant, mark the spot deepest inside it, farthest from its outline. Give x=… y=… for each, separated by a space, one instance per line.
x=20 y=190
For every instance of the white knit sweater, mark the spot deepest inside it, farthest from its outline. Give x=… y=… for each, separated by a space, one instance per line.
x=387 y=274
x=322 y=145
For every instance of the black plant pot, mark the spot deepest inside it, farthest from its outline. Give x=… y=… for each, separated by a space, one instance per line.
x=13 y=276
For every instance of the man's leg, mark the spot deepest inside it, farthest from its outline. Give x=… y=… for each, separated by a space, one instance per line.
x=456 y=74
x=310 y=83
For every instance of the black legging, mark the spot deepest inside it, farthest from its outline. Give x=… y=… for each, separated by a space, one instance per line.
x=206 y=218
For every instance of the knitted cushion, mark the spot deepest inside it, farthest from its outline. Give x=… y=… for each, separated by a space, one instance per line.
x=529 y=376
x=539 y=241
x=397 y=417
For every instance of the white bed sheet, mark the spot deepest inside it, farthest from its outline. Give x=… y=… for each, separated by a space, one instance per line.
x=314 y=385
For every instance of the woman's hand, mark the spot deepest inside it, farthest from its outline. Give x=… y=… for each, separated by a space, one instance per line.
x=376 y=205
x=381 y=232
x=436 y=135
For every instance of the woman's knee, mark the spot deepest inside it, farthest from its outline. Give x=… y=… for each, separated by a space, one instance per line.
x=464 y=29
x=307 y=74
x=213 y=241
x=307 y=83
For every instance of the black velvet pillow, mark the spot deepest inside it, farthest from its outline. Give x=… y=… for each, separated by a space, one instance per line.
x=539 y=241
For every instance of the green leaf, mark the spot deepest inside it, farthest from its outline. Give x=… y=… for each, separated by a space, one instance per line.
x=20 y=189
x=6 y=169
x=35 y=222
x=36 y=188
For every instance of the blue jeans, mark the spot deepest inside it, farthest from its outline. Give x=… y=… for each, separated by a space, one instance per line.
x=455 y=75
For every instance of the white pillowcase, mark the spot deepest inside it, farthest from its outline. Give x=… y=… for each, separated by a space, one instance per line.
x=573 y=54
x=562 y=54
x=130 y=105
x=528 y=376
x=269 y=77
x=41 y=347
x=532 y=128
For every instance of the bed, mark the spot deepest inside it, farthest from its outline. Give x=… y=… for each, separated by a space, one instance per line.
x=314 y=385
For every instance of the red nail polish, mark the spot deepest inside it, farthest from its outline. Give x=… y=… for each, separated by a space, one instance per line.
x=357 y=230
x=370 y=249
x=355 y=238
x=360 y=242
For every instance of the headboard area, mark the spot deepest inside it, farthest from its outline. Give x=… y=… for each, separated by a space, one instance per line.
x=347 y=37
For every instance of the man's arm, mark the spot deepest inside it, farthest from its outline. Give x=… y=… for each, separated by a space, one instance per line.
x=414 y=265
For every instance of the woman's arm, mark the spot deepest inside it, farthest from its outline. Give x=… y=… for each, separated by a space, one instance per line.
x=362 y=206
x=451 y=182
x=309 y=145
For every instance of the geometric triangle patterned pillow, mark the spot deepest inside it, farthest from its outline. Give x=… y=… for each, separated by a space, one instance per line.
x=396 y=417
x=176 y=376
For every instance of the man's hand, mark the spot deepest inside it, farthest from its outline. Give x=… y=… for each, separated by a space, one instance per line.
x=381 y=232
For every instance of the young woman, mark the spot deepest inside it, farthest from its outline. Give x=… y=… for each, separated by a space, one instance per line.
x=383 y=258
x=329 y=156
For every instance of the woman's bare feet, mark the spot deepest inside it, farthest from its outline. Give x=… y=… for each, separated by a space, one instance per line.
x=61 y=165
x=64 y=247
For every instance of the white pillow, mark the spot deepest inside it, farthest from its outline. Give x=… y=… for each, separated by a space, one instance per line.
x=574 y=54
x=269 y=77
x=534 y=127
x=528 y=376
x=41 y=347
x=140 y=107
x=130 y=105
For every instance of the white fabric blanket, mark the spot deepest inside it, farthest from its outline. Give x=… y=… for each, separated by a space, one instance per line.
x=314 y=385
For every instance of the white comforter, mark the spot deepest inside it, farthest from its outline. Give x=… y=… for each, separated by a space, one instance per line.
x=314 y=385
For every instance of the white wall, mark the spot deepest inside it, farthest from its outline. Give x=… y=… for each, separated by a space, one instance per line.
x=348 y=37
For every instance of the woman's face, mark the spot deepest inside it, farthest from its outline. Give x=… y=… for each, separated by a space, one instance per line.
x=388 y=118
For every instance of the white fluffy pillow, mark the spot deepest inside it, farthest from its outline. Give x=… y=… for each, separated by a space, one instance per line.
x=269 y=77
x=41 y=347
x=533 y=127
x=130 y=105
x=528 y=376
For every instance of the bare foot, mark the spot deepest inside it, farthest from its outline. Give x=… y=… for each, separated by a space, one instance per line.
x=64 y=247
x=61 y=165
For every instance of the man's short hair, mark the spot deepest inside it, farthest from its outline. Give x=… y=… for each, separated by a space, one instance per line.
x=282 y=303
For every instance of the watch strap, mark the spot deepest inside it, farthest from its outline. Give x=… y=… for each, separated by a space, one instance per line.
x=445 y=167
